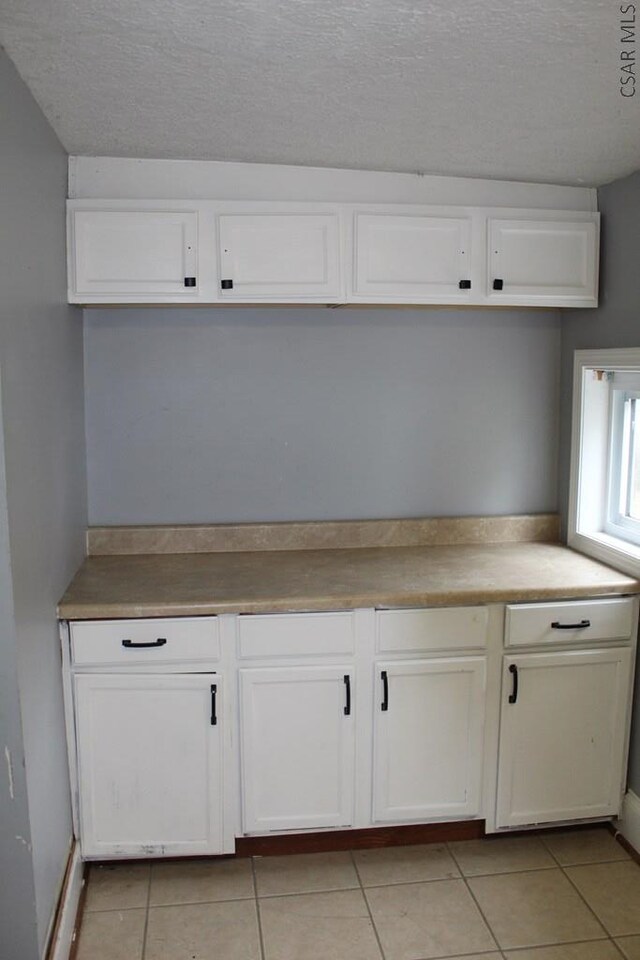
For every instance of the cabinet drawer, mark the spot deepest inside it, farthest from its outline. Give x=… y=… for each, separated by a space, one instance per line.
x=162 y=641
x=448 y=628
x=296 y=634
x=581 y=621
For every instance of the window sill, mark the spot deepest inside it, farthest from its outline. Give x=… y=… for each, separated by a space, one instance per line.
x=621 y=554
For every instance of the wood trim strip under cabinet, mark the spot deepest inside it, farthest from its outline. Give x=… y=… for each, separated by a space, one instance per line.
x=326 y=841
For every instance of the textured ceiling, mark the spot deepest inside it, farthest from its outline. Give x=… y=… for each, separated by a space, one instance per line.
x=513 y=89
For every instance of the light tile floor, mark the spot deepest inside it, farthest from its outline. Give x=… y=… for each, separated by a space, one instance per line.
x=571 y=895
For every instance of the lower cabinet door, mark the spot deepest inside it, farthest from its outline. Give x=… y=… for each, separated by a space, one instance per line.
x=297 y=744
x=429 y=737
x=562 y=735
x=150 y=764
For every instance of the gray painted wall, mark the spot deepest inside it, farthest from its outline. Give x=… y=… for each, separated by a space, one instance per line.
x=18 y=927
x=616 y=323
x=220 y=415
x=41 y=358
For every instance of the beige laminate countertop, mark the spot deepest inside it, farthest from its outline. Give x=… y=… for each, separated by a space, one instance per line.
x=160 y=585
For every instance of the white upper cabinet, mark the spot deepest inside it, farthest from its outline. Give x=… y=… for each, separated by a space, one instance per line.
x=289 y=256
x=550 y=262
x=141 y=255
x=413 y=258
x=208 y=251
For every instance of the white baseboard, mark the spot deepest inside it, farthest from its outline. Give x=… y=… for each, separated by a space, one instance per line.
x=629 y=823
x=63 y=936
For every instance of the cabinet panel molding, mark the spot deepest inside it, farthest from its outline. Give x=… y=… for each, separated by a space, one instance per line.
x=279 y=256
x=562 y=735
x=429 y=736
x=413 y=257
x=297 y=747
x=543 y=260
x=136 y=253
x=150 y=764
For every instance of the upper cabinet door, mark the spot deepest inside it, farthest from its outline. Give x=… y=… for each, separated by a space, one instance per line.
x=279 y=257
x=413 y=258
x=553 y=263
x=142 y=254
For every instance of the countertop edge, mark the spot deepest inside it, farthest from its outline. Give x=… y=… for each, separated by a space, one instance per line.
x=124 y=610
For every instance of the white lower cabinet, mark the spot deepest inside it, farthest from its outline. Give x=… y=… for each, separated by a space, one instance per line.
x=150 y=771
x=297 y=748
x=345 y=719
x=428 y=739
x=562 y=735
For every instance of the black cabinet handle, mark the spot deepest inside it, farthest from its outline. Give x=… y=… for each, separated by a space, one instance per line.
x=384 y=706
x=214 y=697
x=571 y=626
x=226 y=284
x=129 y=644
x=347 y=685
x=189 y=281
x=498 y=284
x=513 y=696
x=465 y=284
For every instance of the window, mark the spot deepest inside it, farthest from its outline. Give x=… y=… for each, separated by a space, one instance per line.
x=623 y=479
x=604 y=507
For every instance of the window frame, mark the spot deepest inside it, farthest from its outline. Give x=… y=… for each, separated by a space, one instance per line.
x=618 y=523
x=592 y=474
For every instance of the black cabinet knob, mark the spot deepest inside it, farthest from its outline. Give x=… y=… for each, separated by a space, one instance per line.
x=498 y=284
x=189 y=281
x=465 y=284
x=226 y=284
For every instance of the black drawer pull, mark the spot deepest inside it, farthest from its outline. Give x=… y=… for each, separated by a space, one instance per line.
x=465 y=285
x=129 y=644
x=513 y=696
x=214 y=697
x=384 y=706
x=347 y=685
x=189 y=281
x=571 y=626
x=226 y=284
x=498 y=284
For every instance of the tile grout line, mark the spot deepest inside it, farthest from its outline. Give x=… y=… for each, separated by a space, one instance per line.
x=366 y=903
x=563 y=943
x=190 y=903
x=584 y=863
x=588 y=905
x=471 y=894
x=146 y=918
x=619 y=949
x=257 y=903
x=584 y=900
x=308 y=893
